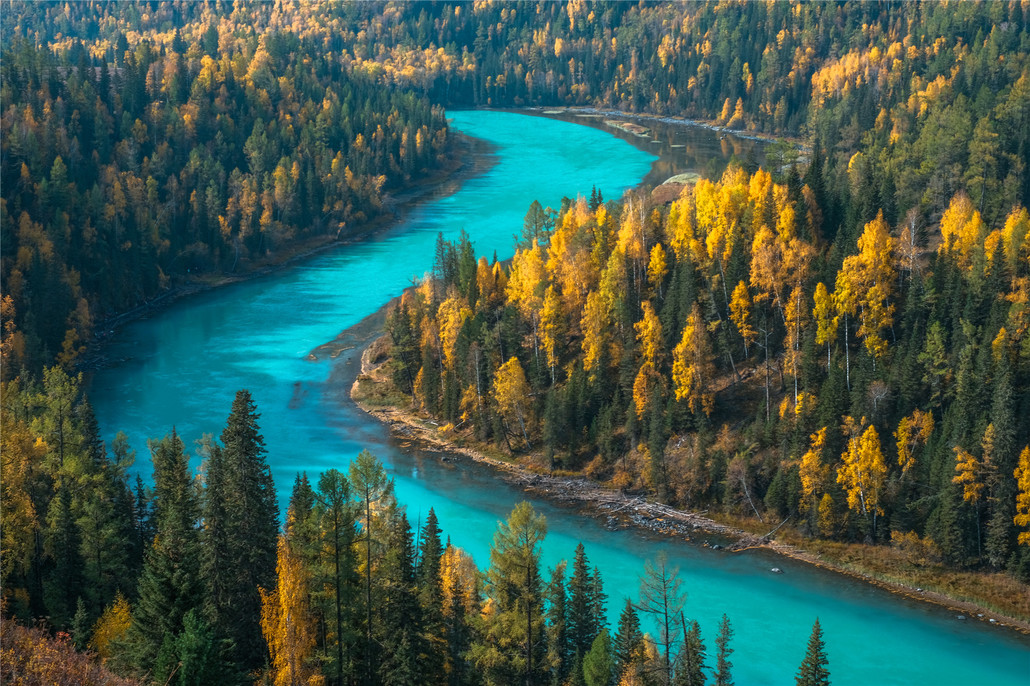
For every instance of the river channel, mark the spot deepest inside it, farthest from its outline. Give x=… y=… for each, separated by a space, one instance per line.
x=182 y=366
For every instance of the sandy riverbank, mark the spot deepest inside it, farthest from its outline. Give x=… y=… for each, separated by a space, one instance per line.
x=615 y=508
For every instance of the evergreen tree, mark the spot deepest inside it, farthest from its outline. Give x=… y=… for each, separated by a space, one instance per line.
x=598 y=664
x=560 y=653
x=401 y=640
x=691 y=662
x=629 y=641
x=813 y=671
x=583 y=626
x=722 y=655
x=170 y=585
x=430 y=589
x=243 y=531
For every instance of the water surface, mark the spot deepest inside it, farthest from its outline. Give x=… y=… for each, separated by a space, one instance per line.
x=183 y=366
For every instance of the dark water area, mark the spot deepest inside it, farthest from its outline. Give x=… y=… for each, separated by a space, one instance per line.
x=681 y=146
x=182 y=366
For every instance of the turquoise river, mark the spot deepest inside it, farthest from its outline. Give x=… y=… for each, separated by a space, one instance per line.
x=183 y=365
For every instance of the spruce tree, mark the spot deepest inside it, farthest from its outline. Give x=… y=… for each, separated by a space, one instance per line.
x=242 y=521
x=170 y=585
x=430 y=591
x=629 y=641
x=582 y=617
x=401 y=615
x=691 y=662
x=813 y=670
x=559 y=648
x=722 y=655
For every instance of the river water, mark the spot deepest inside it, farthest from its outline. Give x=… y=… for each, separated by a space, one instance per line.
x=182 y=367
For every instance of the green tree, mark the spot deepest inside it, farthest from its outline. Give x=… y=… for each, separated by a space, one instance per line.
x=599 y=664
x=242 y=528
x=629 y=642
x=722 y=655
x=170 y=585
x=813 y=670
x=513 y=645
x=372 y=488
x=690 y=665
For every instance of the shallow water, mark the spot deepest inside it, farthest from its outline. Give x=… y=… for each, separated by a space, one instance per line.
x=183 y=366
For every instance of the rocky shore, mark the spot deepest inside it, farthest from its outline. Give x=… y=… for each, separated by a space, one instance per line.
x=618 y=509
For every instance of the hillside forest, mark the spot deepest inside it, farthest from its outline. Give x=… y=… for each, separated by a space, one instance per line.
x=839 y=338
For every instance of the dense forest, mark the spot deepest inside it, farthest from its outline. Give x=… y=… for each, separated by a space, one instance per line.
x=127 y=168
x=841 y=338
x=192 y=581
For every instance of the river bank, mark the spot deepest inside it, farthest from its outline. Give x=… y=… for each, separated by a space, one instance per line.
x=372 y=391
x=468 y=157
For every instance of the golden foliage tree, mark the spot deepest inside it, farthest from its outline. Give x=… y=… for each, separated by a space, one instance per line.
x=863 y=470
x=511 y=391
x=912 y=432
x=740 y=314
x=288 y=624
x=813 y=472
x=693 y=366
x=1022 y=518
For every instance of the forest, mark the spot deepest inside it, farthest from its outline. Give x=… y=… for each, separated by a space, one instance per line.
x=344 y=593
x=840 y=338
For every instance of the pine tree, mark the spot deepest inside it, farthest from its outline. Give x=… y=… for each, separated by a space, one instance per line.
x=690 y=665
x=813 y=671
x=722 y=655
x=335 y=515
x=629 y=642
x=170 y=585
x=242 y=523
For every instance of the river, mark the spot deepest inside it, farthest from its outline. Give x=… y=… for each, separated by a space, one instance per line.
x=183 y=365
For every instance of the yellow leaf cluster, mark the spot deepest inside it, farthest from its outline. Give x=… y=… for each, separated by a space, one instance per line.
x=1022 y=474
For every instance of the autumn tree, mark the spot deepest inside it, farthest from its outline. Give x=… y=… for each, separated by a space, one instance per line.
x=863 y=471
x=662 y=597
x=1022 y=518
x=511 y=391
x=692 y=366
x=287 y=623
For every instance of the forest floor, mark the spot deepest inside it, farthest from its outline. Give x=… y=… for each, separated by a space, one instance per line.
x=997 y=599
x=467 y=157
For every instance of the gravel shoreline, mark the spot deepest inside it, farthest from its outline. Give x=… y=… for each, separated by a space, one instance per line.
x=618 y=510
